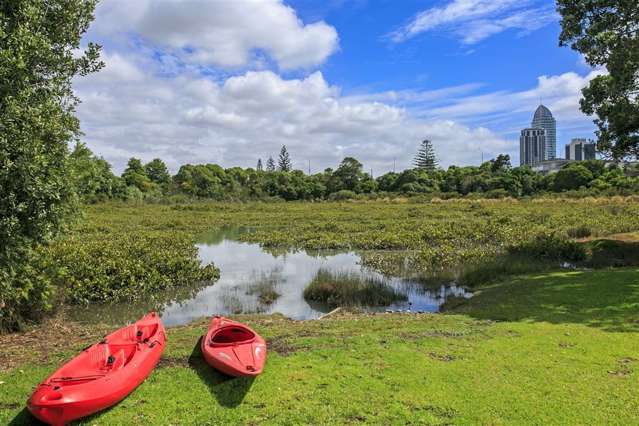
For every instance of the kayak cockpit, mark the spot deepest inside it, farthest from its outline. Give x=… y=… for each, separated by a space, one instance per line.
x=232 y=335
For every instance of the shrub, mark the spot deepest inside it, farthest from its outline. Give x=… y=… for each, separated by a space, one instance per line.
x=350 y=289
x=613 y=253
x=551 y=247
x=125 y=267
x=26 y=291
x=582 y=231
x=342 y=195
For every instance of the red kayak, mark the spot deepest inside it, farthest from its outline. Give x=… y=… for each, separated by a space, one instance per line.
x=102 y=375
x=233 y=348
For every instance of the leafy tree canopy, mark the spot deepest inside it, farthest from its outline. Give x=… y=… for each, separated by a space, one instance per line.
x=39 y=56
x=606 y=32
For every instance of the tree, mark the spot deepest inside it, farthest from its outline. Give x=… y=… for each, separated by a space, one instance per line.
x=259 y=167
x=135 y=175
x=270 y=165
x=40 y=55
x=425 y=157
x=501 y=163
x=573 y=176
x=92 y=177
x=157 y=172
x=606 y=33
x=347 y=176
x=284 y=162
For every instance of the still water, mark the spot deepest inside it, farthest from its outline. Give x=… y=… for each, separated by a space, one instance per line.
x=242 y=265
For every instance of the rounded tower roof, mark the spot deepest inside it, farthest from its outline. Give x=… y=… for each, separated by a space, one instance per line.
x=542 y=112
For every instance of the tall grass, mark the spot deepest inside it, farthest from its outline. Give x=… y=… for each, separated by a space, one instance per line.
x=264 y=288
x=350 y=289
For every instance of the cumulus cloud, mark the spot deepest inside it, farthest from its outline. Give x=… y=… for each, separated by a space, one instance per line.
x=227 y=33
x=475 y=20
x=237 y=120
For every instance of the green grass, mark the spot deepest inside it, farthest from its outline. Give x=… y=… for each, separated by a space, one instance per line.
x=551 y=348
x=349 y=289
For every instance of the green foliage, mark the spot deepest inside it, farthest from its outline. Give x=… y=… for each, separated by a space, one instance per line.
x=425 y=158
x=135 y=175
x=613 y=253
x=39 y=56
x=92 y=177
x=550 y=246
x=121 y=266
x=343 y=195
x=284 y=163
x=270 y=165
x=350 y=289
x=501 y=163
x=157 y=172
x=573 y=176
x=605 y=32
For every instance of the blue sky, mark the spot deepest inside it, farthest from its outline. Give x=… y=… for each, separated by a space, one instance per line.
x=231 y=81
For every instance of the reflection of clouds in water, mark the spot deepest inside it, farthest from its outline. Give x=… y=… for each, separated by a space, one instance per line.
x=243 y=264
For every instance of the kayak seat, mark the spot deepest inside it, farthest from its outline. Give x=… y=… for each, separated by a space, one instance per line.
x=232 y=334
x=117 y=361
x=145 y=333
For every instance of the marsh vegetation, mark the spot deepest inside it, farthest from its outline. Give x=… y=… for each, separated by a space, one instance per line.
x=343 y=288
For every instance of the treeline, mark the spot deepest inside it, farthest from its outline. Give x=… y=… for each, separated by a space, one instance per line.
x=494 y=179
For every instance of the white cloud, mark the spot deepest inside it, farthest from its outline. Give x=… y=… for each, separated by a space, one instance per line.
x=475 y=20
x=229 y=33
x=235 y=121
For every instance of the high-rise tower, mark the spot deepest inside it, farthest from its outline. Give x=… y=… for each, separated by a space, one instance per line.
x=543 y=119
x=532 y=146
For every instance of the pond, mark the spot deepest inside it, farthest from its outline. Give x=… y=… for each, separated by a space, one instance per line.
x=247 y=270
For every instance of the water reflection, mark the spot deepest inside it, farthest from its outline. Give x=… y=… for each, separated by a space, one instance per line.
x=243 y=264
x=248 y=272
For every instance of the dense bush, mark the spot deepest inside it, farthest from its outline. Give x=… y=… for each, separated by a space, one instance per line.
x=550 y=246
x=122 y=266
x=26 y=291
x=40 y=54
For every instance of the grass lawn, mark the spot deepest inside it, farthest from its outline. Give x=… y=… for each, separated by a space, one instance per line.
x=559 y=348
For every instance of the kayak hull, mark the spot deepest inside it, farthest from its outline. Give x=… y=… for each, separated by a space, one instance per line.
x=101 y=375
x=233 y=348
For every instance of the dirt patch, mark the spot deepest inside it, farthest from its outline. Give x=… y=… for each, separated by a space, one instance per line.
x=281 y=346
x=171 y=362
x=9 y=406
x=623 y=367
x=55 y=335
x=435 y=333
x=442 y=357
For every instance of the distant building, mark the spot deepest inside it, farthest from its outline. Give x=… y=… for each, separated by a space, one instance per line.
x=550 y=166
x=532 y=146
x=543 y=119
x=580 y=149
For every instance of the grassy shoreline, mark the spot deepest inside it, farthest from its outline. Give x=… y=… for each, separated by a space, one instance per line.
x=551 y=348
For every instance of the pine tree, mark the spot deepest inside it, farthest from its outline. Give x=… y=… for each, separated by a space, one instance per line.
x=259 y=165
x=284 y=163
x=270 y=165
x=425 y=157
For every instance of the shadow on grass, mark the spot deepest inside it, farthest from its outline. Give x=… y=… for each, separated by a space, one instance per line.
x=606 y=299
x=229 y=391
x=24 y=417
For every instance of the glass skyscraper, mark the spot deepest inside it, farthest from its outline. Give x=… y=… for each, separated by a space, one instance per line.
x=543 y=119
x=532 y=146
